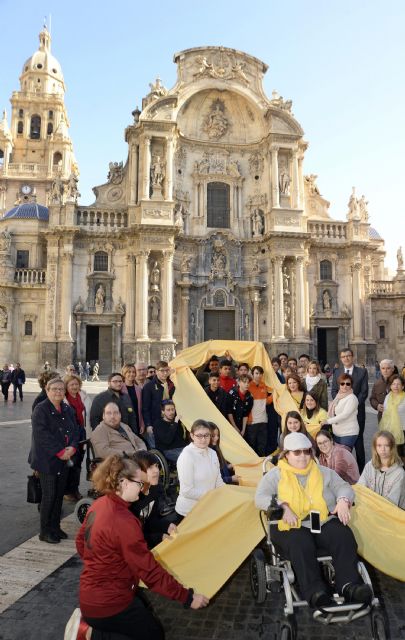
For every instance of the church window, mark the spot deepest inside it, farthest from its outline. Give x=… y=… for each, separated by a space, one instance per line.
x=381 y=330
x=23 y=257
x=20 y=127
x=50 y=115
x=218 y=209
x=28 y=328
x=101 y=261
x=49 y=129
x=21 y=113
x=39 y=65
x=1 y=157
x=326 y=270
x=57 y=158
x=35 y=130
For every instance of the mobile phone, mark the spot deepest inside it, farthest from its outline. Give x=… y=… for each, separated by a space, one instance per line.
x=315 y=521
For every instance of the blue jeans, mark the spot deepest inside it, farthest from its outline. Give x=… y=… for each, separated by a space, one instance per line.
x=348 y=441
x=172 y=454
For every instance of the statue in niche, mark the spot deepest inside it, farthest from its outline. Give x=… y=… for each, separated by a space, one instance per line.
x=247 y=322
x=216 y=124
x=157 y=172
x=179 y=216
x=286 y=279
x=284 y=179
x=100 y=296
x=3 y=318
x=327 y=300
x=255 y=267
x=154 y=309
x=287 y=313
x=5 y=240
x=79 y=306
x=233 y=169
x=257 y=223
x=155 y=277
x=400 y=259
x=186 y=264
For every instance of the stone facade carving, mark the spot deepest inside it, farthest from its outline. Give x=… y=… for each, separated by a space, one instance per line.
x=310 y=181
x=157 y=172
x=57 y=191
x=256 y=164
x=226 y=67
x=357 y=208
x=155 y=277
x=279 y=102
x=5 y=240
x=99 y=299
x=154 y=309
x=79 y=306
x=115 y=173
x=215 y=124
x=284 y=180
x=400 y=259
x=257 y=223
x=3 y=317
x=71 y=190
x=326 y=300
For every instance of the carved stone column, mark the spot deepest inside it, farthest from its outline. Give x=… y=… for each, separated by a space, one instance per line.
x=130 y=307
x=256 y=301
x=357 y=333
x=274 y=176
x=146 y=167
x=296 y=184
x=142 y=295
x=169 y=169
x=133 y=173
x=79 y=354
x=299 y=299
x=167 y=296
x=278 y=298
x=185 y=303
x=201 y=200
x=51 y=278
x=67 y=278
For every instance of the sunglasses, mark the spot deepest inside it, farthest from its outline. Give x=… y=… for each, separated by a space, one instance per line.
x=345 y=384
x=298 y=452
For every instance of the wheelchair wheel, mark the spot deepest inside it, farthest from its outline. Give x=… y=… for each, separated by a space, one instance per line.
x=82 y=508
x=288 y=630
x=258 y=580
x=378 y=626
x=164 y=471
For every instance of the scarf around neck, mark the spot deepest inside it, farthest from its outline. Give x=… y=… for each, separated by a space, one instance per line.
x=339 y=396
x=311 y=381
x=390 y=420
x=301 y=500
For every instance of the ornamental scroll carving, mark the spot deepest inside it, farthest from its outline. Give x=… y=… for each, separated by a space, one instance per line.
x=221 y=66
x=115 y=173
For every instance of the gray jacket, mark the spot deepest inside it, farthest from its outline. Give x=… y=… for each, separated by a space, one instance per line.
x=388 y=484
x=333 y=488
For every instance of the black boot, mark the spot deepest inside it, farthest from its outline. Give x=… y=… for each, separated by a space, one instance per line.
x=49 y=537
x=357 y=593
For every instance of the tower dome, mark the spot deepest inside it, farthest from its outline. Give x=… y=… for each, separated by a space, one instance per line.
x=42 y=71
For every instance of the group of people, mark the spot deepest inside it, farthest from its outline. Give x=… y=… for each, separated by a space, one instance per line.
x=314 y=469
x=13 y=376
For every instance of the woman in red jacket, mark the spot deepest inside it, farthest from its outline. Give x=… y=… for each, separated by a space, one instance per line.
x=116 y=558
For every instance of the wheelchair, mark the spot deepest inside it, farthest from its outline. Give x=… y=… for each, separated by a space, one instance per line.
x=271 y=573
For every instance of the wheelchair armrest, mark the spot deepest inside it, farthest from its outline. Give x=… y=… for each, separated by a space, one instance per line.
x=274 y=510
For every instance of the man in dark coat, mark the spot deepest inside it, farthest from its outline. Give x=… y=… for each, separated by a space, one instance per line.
x=17 y=380
x=217 y=395
x=159 y=388
x=114 y=394
x=360 y=390
x=381 y=387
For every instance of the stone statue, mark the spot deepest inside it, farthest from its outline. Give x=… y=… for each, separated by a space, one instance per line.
x=326 y=300
x=255 y=267
x=100 y=296
x=5 y=240
x=157 y=172
x=247 y=321
x=353 y=204
x=119 y=307
x=3 y=318
x=218 y=261
x=57 y=190
x=312 y=186
x=157 y=89
x=216 y=125
x=186 y=264
x=79 y=305
x=286 y=279
x=116 y=172
x=362 y=205
x=400 y=259
x=179 y=217
x=284 y=180
x=72 y=192
x=287 y=313
x=233 y=168
x=257 y=223
x=155 y=277
x=154 y=309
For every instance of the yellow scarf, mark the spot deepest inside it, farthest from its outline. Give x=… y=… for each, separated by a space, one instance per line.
x=301 y=499
x=390 y=419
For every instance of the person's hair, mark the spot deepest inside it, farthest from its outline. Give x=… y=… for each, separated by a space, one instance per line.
x=213 y=359
x=53 y=381
x=390 y=363
x=296 y=416
x=304 y=355
x=213 y=374
x=72 y=376
x=375 y=458
x=145 y=459
x=396 y=376
x=199 y=424
x=243 y=364
x=316 y=363
x=112 y=375
x=276 y=359
x=315 y=409
x=345 y=350
x=225 y=363
x=217 y=447
x=45 y=376
x=343 y=377
x=325 y=433
x=244 y=378
x=282 y=354
x=112 y=402
x=161 y=364
x=258 y=368
x=107 y=476
x=295 y=376
x=126 y=368
x=167 y=403
x=293 y=360
x=151 y=366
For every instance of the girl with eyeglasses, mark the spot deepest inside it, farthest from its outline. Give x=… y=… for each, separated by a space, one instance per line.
x=342 y=414
x=116 y=557
x=336 y=457
x=316 y=510
x=198 y=469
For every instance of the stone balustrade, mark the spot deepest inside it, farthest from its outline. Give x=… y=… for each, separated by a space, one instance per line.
x=29 y=168
x=327 y=230
x=30 y=276
x=99 y=219
x=382 y=287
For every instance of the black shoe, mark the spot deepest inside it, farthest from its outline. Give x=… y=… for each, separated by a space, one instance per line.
x=321 y=599
x=357 y=593
x=49 y=537
x=62 y=535
x=14 y=400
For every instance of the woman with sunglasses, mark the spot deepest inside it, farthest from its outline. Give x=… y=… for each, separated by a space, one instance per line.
x=342 y=414
x=316 y=510
x=116 y=557
x=198 y=469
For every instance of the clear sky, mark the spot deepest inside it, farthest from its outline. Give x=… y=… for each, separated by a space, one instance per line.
x=341 y=62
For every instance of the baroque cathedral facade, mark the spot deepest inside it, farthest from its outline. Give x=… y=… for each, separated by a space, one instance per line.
x=209 y=230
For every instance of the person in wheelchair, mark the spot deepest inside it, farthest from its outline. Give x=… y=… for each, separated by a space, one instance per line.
x=316 y=510
x=112 y=436
x=170 y=435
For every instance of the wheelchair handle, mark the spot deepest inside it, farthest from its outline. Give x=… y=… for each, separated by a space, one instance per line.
x=265 y=463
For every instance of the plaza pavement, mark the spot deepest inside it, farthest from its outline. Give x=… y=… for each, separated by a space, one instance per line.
x=38 y=583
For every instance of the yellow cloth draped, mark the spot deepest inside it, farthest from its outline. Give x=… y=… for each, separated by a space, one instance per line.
x=313 y=425
x=301 y=499
x=390 y=418
x=224 y=526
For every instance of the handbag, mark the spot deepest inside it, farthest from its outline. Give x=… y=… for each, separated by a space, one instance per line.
x=34 y=491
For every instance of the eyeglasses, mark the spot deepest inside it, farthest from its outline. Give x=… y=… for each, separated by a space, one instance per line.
x=345 y=384
x=57 y=389
x=116 y=381
x=305 y=452
x=321 y=443
x=138 y=482
x=202 y=436
x=164 y=370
